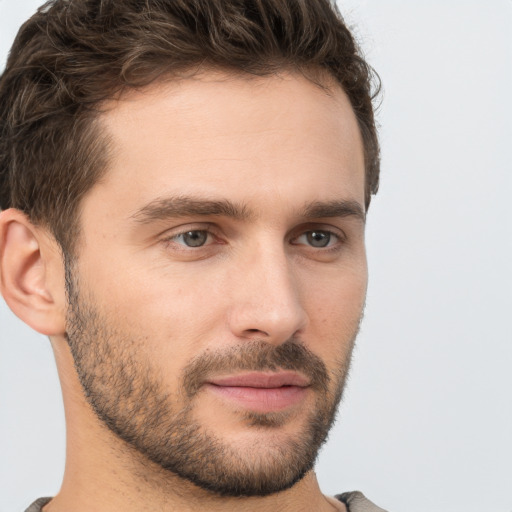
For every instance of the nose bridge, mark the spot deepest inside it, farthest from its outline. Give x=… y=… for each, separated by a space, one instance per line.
x=267 y=298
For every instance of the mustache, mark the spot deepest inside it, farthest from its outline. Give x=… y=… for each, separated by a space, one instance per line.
x=256 y=355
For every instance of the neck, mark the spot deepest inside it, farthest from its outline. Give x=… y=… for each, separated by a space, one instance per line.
x=111 y=492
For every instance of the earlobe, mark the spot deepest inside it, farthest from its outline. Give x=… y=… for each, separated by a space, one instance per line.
x=29 y=268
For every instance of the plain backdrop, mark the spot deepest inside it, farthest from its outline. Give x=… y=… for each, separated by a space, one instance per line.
x=427 y=419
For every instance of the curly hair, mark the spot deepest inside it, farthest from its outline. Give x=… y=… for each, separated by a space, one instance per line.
x=72 y=55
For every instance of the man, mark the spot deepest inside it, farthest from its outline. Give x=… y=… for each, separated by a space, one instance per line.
x=184 y=187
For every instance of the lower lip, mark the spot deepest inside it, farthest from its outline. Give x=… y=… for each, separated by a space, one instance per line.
x=263 y=400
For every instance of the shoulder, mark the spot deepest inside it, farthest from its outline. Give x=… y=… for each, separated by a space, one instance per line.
x=357 y=502
x=38 y=505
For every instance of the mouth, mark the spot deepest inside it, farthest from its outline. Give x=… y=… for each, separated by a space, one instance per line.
x=261 y=392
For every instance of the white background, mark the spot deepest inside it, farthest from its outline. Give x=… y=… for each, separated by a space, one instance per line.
x=427 y=420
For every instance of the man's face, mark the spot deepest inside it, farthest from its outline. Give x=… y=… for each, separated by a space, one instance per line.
x=221 y=276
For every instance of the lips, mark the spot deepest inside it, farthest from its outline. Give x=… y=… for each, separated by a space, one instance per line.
x=262 y=380
x=260 y=391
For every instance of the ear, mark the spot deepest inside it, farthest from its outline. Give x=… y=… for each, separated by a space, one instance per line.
x=32 y=273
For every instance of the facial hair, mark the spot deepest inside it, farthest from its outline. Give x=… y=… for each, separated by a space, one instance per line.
x=127 y=393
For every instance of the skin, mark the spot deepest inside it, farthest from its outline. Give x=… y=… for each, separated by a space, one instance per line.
x=271 y=145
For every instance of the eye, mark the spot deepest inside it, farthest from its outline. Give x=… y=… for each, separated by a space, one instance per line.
x=318 y=238
x=194 y=238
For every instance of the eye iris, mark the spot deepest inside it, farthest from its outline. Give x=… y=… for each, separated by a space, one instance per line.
x=195 y=238
x=318 y=238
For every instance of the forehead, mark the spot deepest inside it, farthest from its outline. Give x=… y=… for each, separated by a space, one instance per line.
x=247 y=139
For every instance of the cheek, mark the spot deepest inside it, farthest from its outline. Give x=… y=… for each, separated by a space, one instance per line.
x=138 y=290
x=335 y=309
x=165 y=318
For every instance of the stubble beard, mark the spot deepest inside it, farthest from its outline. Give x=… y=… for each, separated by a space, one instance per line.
x=126 y=392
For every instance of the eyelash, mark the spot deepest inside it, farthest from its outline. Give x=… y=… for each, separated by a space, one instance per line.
x=339 y=239
x=172 y=238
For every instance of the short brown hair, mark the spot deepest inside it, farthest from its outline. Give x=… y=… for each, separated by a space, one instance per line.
x=74 y=54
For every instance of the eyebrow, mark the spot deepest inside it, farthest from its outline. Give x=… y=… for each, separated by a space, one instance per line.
x=184 y=206
x=337 y=208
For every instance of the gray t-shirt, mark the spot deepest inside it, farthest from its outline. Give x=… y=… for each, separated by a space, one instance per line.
x=355 y=502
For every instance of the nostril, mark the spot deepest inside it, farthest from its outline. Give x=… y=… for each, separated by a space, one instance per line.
x=256 y=331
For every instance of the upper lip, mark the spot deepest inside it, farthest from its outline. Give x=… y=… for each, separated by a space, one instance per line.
x=262 y=380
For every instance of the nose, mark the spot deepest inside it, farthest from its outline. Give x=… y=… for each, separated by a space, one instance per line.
x=265 y=298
